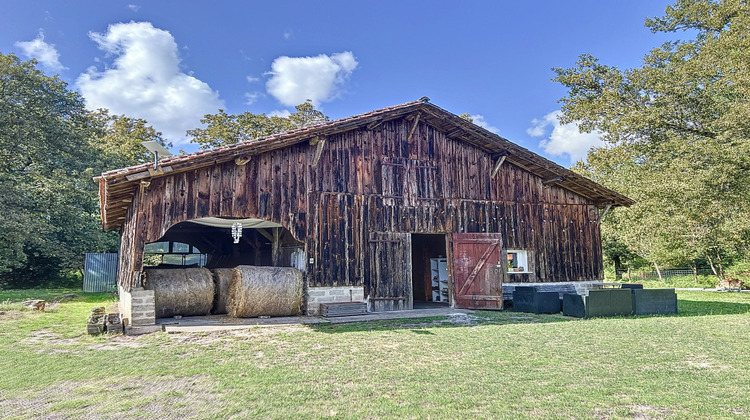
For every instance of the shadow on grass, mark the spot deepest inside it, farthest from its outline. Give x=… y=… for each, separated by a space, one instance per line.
x=423 y=325
x=686 y=308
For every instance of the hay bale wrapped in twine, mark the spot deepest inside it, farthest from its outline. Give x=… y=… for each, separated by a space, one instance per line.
x=180 y=291
x=265 y=291
x=222 y=279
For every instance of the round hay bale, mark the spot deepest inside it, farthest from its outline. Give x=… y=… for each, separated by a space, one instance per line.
x=222 y=279
x=265 y=291
x=183 y=291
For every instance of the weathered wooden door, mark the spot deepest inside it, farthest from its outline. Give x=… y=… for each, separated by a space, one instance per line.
x=390 y=271
x=478 y=282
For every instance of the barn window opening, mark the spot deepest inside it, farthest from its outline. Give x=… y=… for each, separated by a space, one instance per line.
x=171 y=253
x=517 y=261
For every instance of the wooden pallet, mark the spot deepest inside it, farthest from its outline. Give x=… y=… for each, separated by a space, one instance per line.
x=343 y=309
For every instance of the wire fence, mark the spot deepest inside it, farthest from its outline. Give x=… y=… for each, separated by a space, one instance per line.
x=648 y=275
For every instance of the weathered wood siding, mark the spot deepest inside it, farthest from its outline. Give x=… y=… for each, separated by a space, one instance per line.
x=382 y=180
x=376 y=181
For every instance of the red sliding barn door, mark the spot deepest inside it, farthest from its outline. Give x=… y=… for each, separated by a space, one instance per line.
x=478 y=281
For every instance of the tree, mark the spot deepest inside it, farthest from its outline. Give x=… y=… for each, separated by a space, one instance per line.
x=119 y=139
x=678 y=130
x=223 y=129
x=50 y=148
x=44 y=209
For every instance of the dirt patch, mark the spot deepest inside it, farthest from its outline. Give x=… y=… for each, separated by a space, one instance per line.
x=635 y=411
x=163 y=398
x=457 y=319
x=645 y=412
x=265 y=332
x=703 y=362
x=121 y=341
x=11 y=314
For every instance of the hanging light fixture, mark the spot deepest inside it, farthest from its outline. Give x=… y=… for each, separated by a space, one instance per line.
x=236 y=232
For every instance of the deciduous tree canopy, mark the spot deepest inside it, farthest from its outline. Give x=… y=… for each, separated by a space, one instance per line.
x=678 y=130
x=50 y=148
x=222 y=128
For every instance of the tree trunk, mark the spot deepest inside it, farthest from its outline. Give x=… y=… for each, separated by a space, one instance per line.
x=713 y=267
x=658 y=271
x=618 y=267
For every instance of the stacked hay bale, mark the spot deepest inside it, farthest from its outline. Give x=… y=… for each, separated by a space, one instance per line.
x=265 y=291
x=186 y=292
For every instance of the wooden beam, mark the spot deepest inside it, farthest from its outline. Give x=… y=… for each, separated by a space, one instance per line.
x=374 y=124
x=242 y=160
x=455 y=132
x=265 y=234
x=318 y=151
x=498 y=164
x=138 y=175
x=413 y=128
x=602 y=214
x=553 y=180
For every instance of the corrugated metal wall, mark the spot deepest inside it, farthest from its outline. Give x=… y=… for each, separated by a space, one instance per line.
x=100 y=273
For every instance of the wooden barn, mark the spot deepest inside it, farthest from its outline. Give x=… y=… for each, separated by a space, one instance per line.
x=406 y=205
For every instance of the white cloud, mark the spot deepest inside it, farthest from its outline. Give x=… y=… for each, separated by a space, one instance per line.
x=45 y=53
x=252 y=79
x=134 y=7
x=320 y=79
x=479 y=120
x=145 y=81
x=565 y=139
x=251 y=98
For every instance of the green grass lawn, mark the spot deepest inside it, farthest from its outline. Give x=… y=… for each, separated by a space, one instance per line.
x=505 y=365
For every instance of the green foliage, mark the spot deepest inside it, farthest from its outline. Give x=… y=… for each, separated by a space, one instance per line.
x=678 y=130
x=46 y=204
x=119 y=139
x=223 y=129
x=50 y=148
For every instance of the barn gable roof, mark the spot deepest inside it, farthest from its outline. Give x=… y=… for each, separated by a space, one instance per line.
x=118 y=186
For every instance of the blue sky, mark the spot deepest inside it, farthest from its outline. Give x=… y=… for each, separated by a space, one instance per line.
x=171 y=62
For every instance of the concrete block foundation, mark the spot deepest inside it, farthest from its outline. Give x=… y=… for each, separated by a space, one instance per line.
x=317 y=295
x=137 y=307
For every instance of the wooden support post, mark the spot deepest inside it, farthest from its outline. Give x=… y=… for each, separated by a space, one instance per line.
x=601 y=215
x=256 y=243
x=320 y=142
x=498 y=164
x=413 y=129
x=276 y=247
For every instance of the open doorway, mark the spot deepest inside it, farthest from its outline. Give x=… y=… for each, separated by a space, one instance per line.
x=429 y=270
